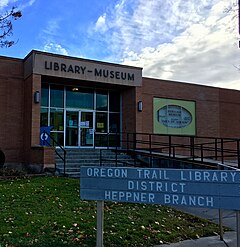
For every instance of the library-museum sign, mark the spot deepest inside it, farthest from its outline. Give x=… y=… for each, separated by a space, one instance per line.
x=98 y=72
x=194 y=188
x=88 y=70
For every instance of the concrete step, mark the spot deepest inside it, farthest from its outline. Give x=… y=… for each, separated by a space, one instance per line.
x=69 y=156
x=77 y=165
x=75 y=158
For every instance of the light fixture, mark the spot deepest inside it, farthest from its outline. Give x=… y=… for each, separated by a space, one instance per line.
x=36 y=97
x=140 y=106
x=75 y=89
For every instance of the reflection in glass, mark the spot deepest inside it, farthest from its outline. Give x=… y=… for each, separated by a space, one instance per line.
x=114 y=122
x=102 y=101
x=114 y=102
x=44 y=117
x=107 y=140
x=56 y=94
x=114 y=140
x=59 y=137
x=56 y=119
x=44 y=95
x=79 y=98
x=72 y=129
x=87 y=129
x=101 y=122
x=101 y=140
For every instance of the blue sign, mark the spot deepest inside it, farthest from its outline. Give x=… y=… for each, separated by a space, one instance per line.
x=192 y=188
x=44 y=136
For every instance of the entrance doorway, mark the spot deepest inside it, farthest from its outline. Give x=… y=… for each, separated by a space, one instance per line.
x=79 y=129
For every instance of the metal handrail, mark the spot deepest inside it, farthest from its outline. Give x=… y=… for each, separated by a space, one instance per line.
x=197 y=146
x=158 y=155
x=58 y=153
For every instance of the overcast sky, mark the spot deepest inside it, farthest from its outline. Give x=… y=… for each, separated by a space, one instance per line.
x=183 y=40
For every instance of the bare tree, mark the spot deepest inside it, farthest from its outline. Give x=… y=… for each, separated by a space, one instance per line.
x=234 y=10
x=239 y=16
x=6 y=26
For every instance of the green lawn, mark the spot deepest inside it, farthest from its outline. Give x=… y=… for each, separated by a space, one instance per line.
x=47 y=211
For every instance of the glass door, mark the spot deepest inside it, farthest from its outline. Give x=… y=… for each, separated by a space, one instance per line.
x=86 y=129
x=79 y=129
x=72 y=128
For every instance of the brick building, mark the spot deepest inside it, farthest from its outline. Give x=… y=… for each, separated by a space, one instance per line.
x=86 y=102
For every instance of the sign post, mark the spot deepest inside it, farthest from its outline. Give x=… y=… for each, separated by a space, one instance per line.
x=220 y=216
x=238 y=228
x=100 y=222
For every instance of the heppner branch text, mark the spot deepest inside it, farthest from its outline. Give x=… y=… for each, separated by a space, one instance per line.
x=146 y=185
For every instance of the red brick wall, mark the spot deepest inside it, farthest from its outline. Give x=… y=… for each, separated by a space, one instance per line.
x=20 y=116
x=42 y=156
x=31 y=115
x=27 y=117
x=129 y=110
x=217 y=110
x=139 y=121
x=12 y=109
x=229 y=121
x=35 y=111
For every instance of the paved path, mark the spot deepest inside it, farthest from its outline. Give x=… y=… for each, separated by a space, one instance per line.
x=229 y=238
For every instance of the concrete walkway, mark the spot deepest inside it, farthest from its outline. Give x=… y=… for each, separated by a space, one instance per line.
x=229 y=238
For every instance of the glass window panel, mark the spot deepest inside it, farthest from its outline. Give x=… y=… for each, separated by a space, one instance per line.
x=72 y=128
x=101 y=122
x=56 y=96
x=72 y=119
x=44 y=117
x=56 y=119
x=101 y=140
x=72 y=137
x=59 y=137
x=114 y=122
x=44 y=95
x=102 y=101
x=79 y=98
x=114 y=140
x=105 y=140
x=86 y=119
x=114 y=101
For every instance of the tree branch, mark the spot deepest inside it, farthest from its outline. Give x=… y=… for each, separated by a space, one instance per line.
x=6 y=26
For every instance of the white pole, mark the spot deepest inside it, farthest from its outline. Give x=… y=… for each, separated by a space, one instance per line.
x=100 y=220
x=238 y=228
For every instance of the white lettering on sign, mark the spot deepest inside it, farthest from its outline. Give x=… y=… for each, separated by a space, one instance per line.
x=188 y=200
x=152 y=174
x=206 y=176
x=129 y=196
x=196 y=188
x=156 y=186
x=174 y=116
x=106 y=172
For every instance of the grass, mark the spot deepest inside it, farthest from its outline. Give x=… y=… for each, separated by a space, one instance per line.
x=47 y=211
